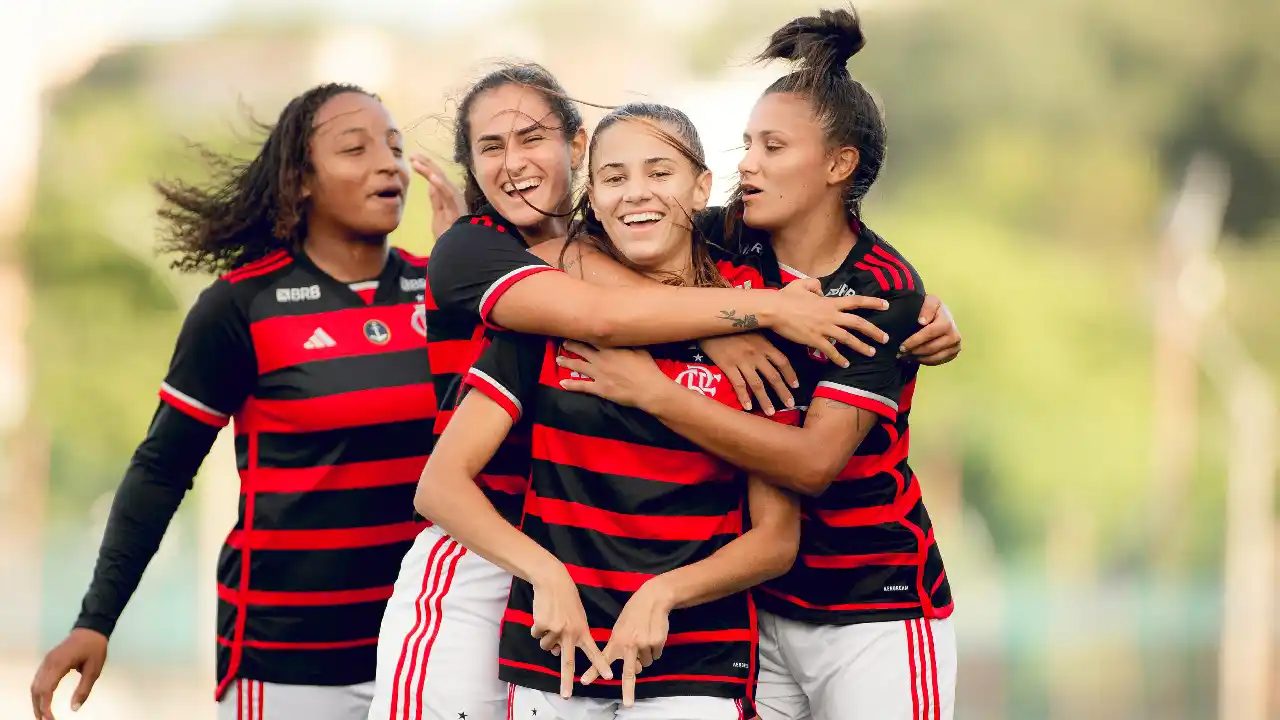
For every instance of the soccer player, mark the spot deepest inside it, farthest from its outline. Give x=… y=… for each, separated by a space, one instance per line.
x=313 y=340
x=859 y=626
x=521 y=140
x=630 y=535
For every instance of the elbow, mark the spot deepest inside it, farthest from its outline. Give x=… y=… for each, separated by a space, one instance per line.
x=426 y=494
x=784 y=545
x=815 y=475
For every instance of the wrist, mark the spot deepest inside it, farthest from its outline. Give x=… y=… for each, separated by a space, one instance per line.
x=543 y=569
x=769 y=307
x=664 y=591
x=658 y=396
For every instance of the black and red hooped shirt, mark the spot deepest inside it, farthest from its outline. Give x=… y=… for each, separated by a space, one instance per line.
x=333 y=409
x=619 y=498
x=472 y=264
x=867 y=547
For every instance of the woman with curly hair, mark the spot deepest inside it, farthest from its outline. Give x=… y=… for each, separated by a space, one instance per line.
x=313 y=339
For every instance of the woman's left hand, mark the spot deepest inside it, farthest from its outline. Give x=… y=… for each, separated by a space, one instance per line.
x=638 y=636
x=938 y=342
x=627 y=377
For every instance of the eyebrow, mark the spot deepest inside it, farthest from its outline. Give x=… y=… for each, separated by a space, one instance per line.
x=537 y=125
x=647 y=161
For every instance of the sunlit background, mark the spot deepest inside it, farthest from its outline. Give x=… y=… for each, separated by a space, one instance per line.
x=1093 y=187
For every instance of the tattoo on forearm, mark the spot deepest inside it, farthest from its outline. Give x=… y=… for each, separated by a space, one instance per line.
x=748 y=322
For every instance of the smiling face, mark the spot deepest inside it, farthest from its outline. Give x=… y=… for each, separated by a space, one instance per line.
x=519 y=154
x=643 y=191
x=788 y=170
x=358 y=177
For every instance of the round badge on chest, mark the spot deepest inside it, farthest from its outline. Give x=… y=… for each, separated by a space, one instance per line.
x=377 y=332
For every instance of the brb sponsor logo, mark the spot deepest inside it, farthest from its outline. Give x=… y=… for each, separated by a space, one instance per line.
x=298 y=294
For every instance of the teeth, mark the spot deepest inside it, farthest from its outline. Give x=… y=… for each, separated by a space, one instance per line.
x=522 y=185
x=641 y=217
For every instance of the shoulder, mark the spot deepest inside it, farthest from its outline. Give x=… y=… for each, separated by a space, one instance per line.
x=246 y=282
x=877 y=268
x=410 y=259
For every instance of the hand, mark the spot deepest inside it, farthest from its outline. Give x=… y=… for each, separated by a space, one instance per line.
x=820 y=322
x=627 y=377
x=560 y=625
x=638 y=635
x=748 y=360
x=447 y=201
x=84 y=651
x=938 y=342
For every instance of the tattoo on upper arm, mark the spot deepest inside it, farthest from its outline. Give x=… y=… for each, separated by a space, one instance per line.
x=748 y=322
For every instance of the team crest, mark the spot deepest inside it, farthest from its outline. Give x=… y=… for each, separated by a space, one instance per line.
x=377 y=332
x=699 y=378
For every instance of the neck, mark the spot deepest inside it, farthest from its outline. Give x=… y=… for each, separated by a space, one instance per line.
x=551 y=228
x=816 y=243
x=678 y=266
x=346 y=259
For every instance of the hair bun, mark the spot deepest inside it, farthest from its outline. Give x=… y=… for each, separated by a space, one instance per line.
x=823 y=43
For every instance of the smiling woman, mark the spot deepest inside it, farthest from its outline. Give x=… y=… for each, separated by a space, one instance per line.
x=312 y=341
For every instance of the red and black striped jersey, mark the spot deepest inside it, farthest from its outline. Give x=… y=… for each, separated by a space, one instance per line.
x=473 y=263
x=619 y=498
x=867 y=547
x=333 y=409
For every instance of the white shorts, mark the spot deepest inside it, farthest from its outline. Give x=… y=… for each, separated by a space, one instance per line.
x=902 y=670
x=438 y=646
x=257 y=700
x=527 y=704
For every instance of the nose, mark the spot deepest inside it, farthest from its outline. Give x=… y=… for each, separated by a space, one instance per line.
x=637 y=190
x=388 y=160
x=749 y=164
x=514 y=162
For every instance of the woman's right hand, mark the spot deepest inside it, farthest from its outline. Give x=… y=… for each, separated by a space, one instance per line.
x=560 y=625
x=447 y=201
x=84 y=651
x=804 y=316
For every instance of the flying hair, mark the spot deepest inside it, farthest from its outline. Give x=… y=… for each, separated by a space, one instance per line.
x=564 y=118
x=248 y=208
x=819 y=48
x=586 y=227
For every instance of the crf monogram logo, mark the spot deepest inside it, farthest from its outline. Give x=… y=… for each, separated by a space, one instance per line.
x=699 y=379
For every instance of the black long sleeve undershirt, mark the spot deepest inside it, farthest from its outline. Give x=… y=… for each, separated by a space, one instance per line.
x=158 y=477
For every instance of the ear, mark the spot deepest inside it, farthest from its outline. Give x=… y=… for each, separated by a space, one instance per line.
x=591 y=195
x=702 y=191
x=843 y=162
x=307 y=179
x=578 y=148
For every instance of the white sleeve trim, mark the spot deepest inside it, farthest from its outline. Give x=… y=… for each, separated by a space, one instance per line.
x=190 y=400
x=860 y=393
x=488 y=380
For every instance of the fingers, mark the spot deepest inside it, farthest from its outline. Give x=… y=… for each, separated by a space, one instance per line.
x=826 y=347
x=42 y=688
x=579 y=366
x=630 y=668
x=579 y=348
x=88 y=676
x=922 y=336
x=941 y=358
x=739 y=386
x=597 y=658
x=929 y=310
x=864 y=326
x=935 y=347
x=780 y=361
x=566 y=674
x=586 y=387
x=752 y=376
x=771 y=375
x=862 y=302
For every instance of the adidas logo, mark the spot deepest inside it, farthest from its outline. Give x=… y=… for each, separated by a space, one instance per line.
x=319 y=339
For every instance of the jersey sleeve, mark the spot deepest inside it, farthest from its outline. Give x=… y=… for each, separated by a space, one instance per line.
x=213 y=368
x=875 y=383
x=474 y=263
x=509 y=370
